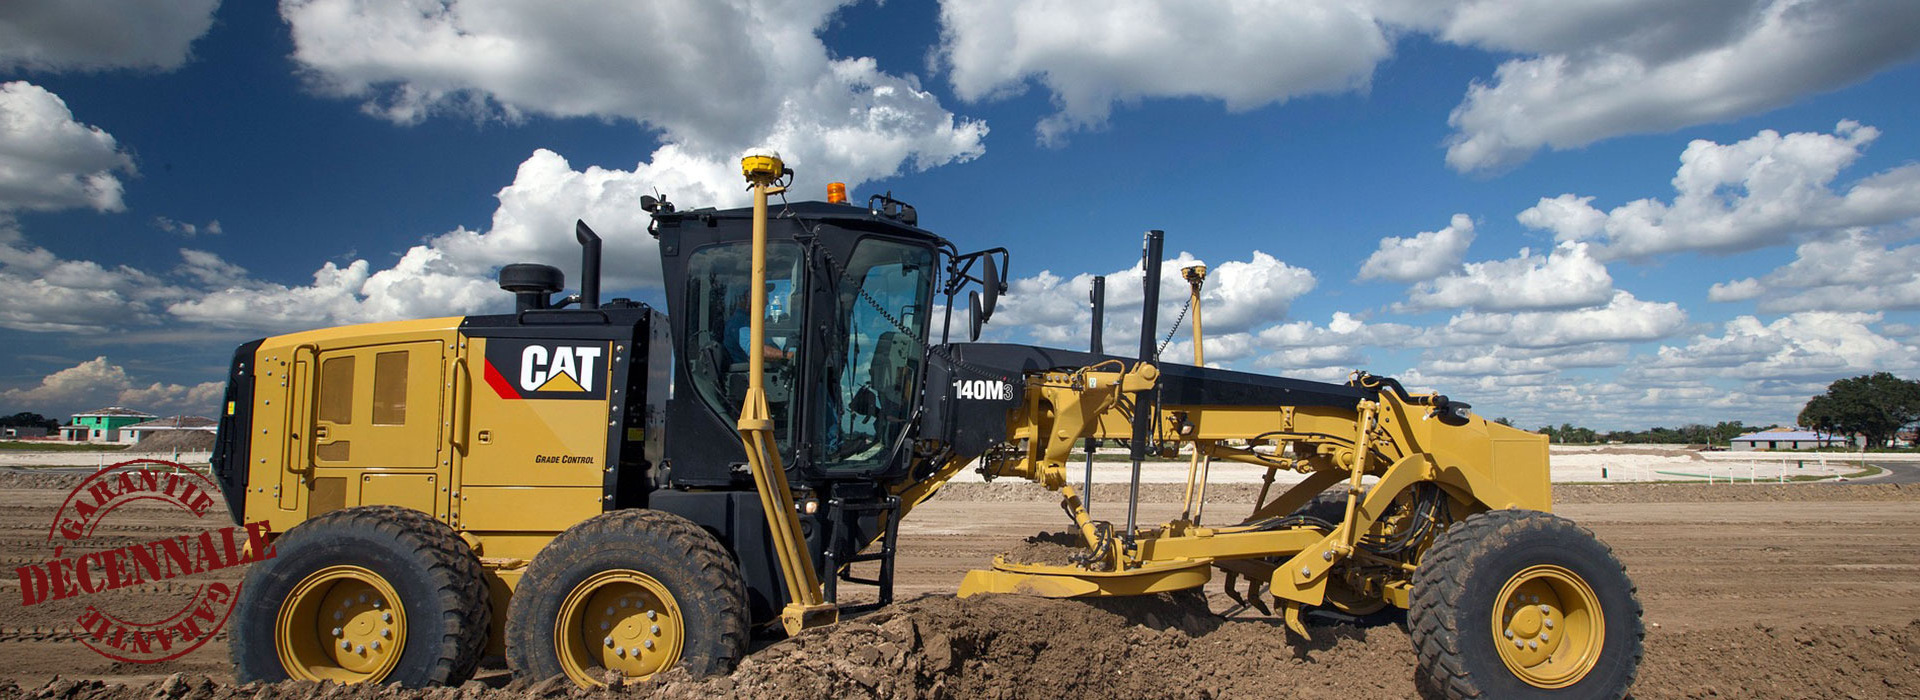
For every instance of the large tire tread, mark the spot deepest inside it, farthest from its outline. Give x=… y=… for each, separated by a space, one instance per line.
x=1433 y=619
x=450 y=567
x=719 y=588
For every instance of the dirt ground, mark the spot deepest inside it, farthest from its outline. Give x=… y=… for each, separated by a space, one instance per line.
x=1750 y=591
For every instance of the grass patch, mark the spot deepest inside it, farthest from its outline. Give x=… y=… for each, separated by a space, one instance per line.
x=24 y=446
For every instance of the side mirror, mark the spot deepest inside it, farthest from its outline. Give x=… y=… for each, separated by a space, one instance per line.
x=973 y=315
x=992 y=275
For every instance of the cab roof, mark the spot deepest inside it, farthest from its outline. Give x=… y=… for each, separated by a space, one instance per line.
x=842 y=215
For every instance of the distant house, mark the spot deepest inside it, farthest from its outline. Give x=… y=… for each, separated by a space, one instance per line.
x=147 y=429
x=1787 y=439
x=16 y=432
x=104 y=425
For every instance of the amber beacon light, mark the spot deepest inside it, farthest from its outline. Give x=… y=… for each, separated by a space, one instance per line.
x=837 y=193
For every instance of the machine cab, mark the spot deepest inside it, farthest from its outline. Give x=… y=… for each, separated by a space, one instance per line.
x=849 y=296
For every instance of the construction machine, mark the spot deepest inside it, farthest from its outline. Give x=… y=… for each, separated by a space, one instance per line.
x=605 y=490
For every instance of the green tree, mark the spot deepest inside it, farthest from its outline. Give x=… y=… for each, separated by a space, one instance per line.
x=25 y=419
x=1873 y=406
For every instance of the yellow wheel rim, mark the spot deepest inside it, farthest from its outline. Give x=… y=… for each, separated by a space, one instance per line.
x=1548 y=626
x=341 y=623
x=622 y=621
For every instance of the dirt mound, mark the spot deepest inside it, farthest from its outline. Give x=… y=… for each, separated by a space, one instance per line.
x=1052 y=548
x=34 y=479
x=1163 y=647
x=171 y=441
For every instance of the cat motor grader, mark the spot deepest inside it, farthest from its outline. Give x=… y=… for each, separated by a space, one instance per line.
x=605 y=491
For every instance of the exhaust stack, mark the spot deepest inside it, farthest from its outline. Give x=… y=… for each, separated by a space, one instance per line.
x=589 y=265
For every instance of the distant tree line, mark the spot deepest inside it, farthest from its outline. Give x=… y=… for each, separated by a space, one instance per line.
x=1691 y=434
x=1874 y=407
x=26 y=419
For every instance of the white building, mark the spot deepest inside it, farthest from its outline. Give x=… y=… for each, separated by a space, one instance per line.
x=1784 y=439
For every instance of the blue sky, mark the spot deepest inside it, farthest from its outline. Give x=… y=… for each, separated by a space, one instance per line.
x=1717 y=205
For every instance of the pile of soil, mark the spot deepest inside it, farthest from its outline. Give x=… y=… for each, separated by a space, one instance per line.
x=1162 y=647
x=1051 y=548
x=30 y=478
x=171 y=441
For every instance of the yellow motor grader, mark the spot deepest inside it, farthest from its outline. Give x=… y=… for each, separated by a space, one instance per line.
x=603 y=490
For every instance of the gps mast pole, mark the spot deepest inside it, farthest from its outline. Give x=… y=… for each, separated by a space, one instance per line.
x=805 y=607
x=1099 y=300
x=1143 y=413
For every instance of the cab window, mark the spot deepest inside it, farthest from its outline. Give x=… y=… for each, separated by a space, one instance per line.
x=873 y=363
x=718 y=282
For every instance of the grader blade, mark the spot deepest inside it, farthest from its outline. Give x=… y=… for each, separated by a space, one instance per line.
x=1046 y=581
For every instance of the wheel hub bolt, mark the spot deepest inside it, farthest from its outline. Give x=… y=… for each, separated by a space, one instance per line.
x=376 y=645
x=362 y=649
x=1544 y=610
x=648 y=644
x=387 y=633
x=1545 y=637
x=1549 y=623
x=1509 y=634
x=1517 y=643
x=386 y=617
x=620 y=652
x=651 y=614
x=635 y=652
x=1532 y=646
x=656 y=629
x=609 y=641
x=346 y=645
x=336 y=631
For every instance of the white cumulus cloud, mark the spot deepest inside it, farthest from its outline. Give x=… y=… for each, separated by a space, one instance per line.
x=1813 y=345
x=1603 y=69
x=1567 y=277
x=1238 y=295
x=97 y=382
x=1091 y=54
x=1424 y=256
x=49 y=161
x=715 y=78
x=1623 y=318
x=1754 y=193
x=1855 y=270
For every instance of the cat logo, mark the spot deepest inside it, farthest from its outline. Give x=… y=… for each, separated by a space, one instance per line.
x=524 y=369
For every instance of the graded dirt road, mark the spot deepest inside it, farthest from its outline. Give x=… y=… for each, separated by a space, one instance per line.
x=1749 y=591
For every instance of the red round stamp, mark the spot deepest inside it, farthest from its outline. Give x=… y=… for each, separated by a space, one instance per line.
x=95 y=573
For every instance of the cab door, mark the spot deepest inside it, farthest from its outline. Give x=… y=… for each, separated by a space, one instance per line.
x=378 y=407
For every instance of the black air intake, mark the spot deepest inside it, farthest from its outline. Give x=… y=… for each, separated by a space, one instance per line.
x=532 y=284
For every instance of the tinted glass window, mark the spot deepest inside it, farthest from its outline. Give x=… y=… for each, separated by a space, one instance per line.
x=718 y=278
x=872 y=377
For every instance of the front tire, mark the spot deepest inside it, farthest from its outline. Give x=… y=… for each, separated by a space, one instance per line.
x=375 y=594
x=1524 y=604
x=634 y=592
